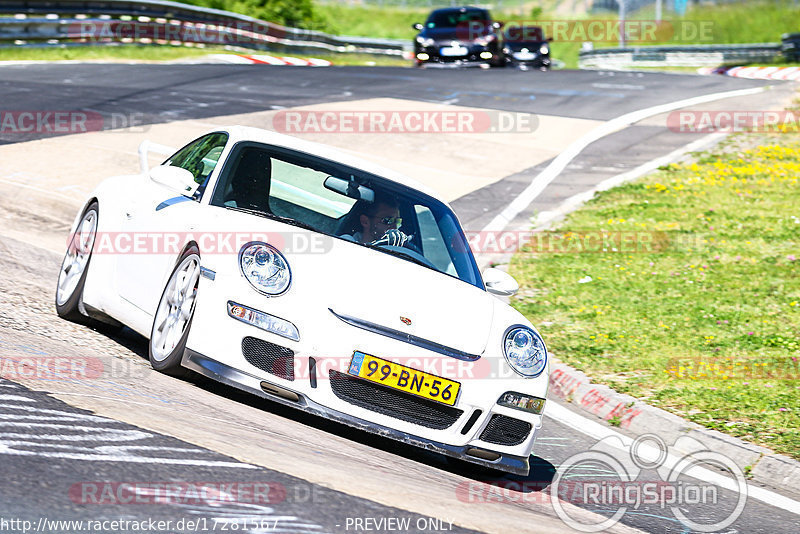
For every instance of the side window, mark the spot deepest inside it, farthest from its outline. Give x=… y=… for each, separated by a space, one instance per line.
x=433 y=244
x=200 y=157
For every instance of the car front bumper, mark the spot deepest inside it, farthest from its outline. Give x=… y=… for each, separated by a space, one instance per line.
x=472 y=57
x=267 y=389
x=469 y=429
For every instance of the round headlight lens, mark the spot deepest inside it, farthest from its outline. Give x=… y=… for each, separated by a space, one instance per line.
x=265 y=268
x=544 y=50
x=525 y=351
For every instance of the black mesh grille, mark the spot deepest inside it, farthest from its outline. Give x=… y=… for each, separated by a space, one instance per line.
x=504 y=430
x=269 y=357
x=393 y=403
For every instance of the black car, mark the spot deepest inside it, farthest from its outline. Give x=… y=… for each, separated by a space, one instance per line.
x=458 y=35
x=526 y=46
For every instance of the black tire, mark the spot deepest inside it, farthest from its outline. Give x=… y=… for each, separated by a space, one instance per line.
x=72 y=308
x=168 y=361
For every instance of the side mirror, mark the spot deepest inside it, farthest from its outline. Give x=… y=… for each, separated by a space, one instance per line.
x=549 y=39
x=499 y=282
x=177 y=179
x=417 y=26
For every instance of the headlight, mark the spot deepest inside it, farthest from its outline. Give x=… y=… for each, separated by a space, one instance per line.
x=544 y=49
x=265 y=268
x=426 y=41
x=525 y=351
x=483 y=41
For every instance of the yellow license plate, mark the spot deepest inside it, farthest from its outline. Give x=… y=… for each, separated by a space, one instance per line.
x=404 y=378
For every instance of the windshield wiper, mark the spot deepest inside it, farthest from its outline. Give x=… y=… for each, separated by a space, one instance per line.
x=403 y=255
x=270 y=215
x=247 y=210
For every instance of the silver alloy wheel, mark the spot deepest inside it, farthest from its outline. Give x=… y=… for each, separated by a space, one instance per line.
x=77 y=257
x=176 y=308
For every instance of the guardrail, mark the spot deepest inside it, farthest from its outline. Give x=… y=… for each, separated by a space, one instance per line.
x=114 y=22
x=678 y=56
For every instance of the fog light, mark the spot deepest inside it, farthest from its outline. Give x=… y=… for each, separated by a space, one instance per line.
x=518 y=401
x=264 y=321
x=486 y=55
x=422 y=56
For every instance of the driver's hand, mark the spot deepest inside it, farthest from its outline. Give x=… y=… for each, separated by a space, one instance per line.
x=393 y=237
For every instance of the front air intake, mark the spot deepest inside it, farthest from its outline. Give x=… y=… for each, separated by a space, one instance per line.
x=397 y=404
x=504 y=430
x=269 y=357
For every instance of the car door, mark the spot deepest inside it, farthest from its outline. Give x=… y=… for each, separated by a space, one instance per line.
x=160 y=221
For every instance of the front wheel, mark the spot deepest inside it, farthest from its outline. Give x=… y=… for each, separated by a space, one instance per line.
x=72 y=275
x=174 y=314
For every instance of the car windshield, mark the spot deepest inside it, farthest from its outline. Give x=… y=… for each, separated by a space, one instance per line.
x=453 y=18
x=347 y=203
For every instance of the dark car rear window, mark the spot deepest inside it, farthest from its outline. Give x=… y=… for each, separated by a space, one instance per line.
x=451 y=19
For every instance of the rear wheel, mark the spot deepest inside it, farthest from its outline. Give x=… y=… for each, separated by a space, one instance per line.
x=72 y=276
x=173 y=317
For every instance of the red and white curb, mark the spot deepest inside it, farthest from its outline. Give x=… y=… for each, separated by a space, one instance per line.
x=755 y=73
x=261 y=59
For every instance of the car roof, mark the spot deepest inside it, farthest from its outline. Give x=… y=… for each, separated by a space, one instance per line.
x=259 y=135
x=458 y=9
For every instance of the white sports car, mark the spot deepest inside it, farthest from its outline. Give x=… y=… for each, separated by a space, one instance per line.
x=315 y=279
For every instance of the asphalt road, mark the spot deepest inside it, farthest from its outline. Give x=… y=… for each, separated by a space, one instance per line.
x=163 y=93
x=50 y=450
x=63 y=467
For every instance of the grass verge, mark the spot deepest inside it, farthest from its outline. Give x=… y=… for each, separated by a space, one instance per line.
x=701 y=314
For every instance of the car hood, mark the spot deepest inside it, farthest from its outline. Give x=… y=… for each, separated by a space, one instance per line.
x=330 y=273
x=392 y=293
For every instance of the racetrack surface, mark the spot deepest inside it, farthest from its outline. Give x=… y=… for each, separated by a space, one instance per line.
x=354 y=475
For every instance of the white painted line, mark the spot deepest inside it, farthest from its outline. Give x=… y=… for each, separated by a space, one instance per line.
x=16 y=398
x=597 y=431
x=543 y=179
x=126 y=459
x=88 y=433
x=30 y=417
x=546 y=217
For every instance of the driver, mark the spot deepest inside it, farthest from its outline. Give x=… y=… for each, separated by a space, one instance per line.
x=379 y=223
